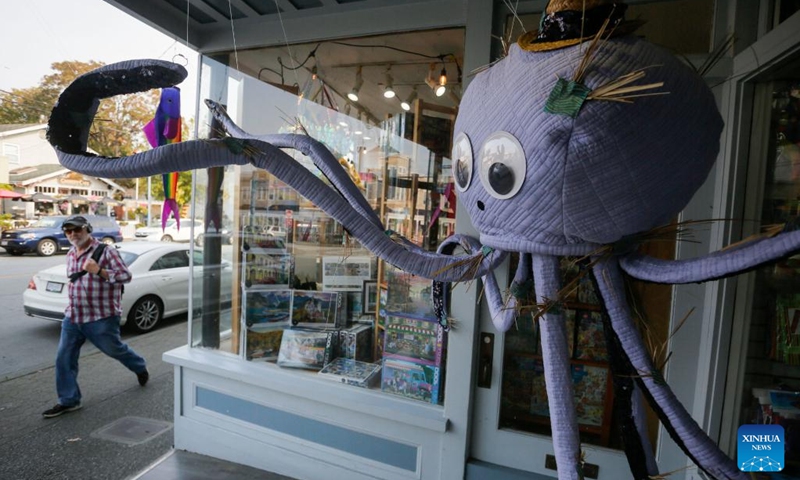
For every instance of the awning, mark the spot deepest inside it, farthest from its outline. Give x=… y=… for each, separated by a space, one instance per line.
x=75 y=198
x=40 y=197
x=9 y=194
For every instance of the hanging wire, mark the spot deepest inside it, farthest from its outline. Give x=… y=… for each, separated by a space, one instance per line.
x=233 y=34
x=188 y=4
x=286 y=40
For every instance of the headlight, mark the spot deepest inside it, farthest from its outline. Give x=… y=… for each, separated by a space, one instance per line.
x=28 y=236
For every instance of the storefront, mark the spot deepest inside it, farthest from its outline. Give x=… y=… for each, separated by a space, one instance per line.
x=51 y=189
x=237 y=396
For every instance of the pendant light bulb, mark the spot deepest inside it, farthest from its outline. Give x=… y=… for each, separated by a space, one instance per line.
x=388 y=90
x=443 y=77
x=353 y=95
x=406 y=105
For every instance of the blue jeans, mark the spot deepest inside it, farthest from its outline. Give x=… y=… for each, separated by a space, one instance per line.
x=104 y=334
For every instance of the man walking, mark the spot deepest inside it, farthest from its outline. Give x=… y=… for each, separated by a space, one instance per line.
x=94 y=311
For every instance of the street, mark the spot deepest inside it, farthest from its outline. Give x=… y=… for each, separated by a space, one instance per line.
x=28 y=343
x=69 y=446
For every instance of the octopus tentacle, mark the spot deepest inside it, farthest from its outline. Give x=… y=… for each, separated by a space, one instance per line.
x=319 y=154
x=628 y=410
x=557 y=373
x=503 y=312
x=682 y=428
x=72 y=117
x=714 y=265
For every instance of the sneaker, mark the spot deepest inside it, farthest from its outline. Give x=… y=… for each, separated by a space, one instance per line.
x=60 y=410
x=143 y=377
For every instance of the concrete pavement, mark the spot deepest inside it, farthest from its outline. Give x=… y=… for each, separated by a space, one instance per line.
x=32 y=447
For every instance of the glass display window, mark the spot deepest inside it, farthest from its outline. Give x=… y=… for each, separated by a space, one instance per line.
x=769 y=385
x=301 y=282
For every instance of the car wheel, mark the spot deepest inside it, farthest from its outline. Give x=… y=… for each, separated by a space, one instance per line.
x=46 y=247
x=145 y=314
x=15 y=253
x=166 y=238
x=108 y=241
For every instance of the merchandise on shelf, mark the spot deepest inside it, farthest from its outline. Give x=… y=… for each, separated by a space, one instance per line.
x=355 y=343
x=262 y=343
x=304 y=348
x=351 y=372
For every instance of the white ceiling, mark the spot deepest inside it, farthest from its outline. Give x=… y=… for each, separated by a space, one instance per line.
x=337 y=65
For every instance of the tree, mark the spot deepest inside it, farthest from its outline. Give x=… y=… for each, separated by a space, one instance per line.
x=117 y=127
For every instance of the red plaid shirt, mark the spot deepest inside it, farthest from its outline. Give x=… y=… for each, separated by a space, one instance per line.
x=91 y=297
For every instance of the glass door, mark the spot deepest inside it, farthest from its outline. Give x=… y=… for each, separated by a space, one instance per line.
x=512 y=407
x=765 y=357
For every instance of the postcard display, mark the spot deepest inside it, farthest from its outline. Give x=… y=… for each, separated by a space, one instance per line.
x=524 y=402
x=266 y=300
x=413 y=357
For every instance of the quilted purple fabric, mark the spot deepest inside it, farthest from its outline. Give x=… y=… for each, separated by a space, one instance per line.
x=615 y=170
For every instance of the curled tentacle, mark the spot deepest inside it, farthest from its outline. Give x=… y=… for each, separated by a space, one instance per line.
x=73 y=115
x=319 y=154
x=503 y=312
x=681 y=426
x=714 y=265
x=557 y=371
x=71 y=118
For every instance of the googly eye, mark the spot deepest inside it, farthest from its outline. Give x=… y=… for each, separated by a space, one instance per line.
x=502 y=165
x=462 y=161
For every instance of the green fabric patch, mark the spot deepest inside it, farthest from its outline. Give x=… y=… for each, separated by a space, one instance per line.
x=566 y=98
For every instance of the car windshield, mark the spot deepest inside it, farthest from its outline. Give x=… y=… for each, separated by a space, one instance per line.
x=49 y=222
x=127 y=257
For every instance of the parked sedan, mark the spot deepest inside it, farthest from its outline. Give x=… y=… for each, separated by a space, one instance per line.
x=170 y=232
x=159 y=288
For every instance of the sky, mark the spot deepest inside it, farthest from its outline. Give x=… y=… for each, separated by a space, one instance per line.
x=37 y=33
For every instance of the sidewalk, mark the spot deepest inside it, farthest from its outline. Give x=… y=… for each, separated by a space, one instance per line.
x=68 y=446
x=123 y=431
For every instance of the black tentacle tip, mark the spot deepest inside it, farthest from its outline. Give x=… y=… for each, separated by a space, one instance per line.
x=73 y=114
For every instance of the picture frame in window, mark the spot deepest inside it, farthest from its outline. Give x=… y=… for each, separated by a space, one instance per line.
x=369 y=298
x=344 y=274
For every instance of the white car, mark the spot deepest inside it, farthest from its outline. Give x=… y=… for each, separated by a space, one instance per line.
x=159 y=288
x=170 y=233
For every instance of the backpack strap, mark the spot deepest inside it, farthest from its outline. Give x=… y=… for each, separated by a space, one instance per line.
x=96 y=254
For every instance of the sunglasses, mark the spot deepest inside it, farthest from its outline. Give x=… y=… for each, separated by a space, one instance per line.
x=72 y=230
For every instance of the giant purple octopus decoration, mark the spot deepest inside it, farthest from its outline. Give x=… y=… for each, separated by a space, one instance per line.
x=537 y=178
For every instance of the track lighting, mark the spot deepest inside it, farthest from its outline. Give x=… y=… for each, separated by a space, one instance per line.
x=406 y=105
x=437 y=86
x=441 y=87
x=388 y=90
x=353 y=95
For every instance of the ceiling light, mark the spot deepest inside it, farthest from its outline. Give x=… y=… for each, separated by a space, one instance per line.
x=343 y=123
x=388 y=90
x=406 y=105
x=443 y=77
x=439 y=90
x=367 y=138
x=314 y=72
x=358 y=132
x=353 y=95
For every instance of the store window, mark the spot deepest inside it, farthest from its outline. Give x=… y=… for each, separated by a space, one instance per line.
x=306 y=295
x=770 y=378
x=11 y=152
x=781 y=10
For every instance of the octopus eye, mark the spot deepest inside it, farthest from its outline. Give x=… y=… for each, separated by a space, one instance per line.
x=503 y=165
x=462 y=158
